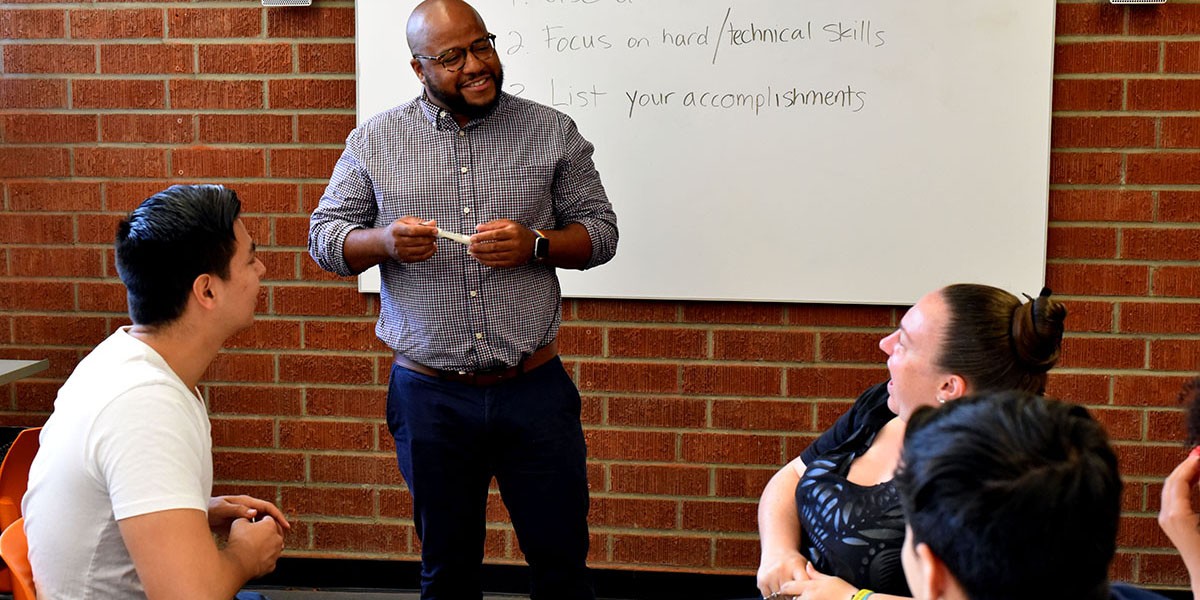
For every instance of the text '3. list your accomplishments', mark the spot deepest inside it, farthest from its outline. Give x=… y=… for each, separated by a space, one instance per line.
x=704 y=45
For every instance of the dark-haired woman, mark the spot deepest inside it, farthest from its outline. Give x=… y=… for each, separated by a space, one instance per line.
x=831 y=518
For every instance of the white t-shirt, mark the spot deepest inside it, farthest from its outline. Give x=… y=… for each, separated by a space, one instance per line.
x=126 y=438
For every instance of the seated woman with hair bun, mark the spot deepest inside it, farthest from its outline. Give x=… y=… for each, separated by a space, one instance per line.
x=831 y=519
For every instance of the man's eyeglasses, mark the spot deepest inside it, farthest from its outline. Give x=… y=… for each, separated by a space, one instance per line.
x=456 y=58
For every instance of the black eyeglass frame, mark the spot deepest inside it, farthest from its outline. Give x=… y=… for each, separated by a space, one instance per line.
x=441 y=58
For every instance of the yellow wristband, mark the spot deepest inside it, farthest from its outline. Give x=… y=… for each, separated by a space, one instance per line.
x=861 y=594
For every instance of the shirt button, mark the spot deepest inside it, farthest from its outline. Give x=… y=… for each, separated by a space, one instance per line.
x=474 y=293
x=441 y=113
x=479 y=336
x=466 y=209
x=461 y=133
x=463 y=169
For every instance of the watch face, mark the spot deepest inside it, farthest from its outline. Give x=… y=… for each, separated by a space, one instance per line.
x=541 y=248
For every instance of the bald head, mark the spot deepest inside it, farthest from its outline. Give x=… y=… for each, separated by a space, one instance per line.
x=468 y=87
x=433 y=17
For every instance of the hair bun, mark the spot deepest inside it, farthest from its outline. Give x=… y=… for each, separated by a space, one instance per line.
x=1037 y=330
x=1189 y=397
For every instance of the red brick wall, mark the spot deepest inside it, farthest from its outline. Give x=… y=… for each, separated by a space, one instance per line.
x=689 y=407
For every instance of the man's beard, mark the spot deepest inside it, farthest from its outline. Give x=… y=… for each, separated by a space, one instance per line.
x=458 y=104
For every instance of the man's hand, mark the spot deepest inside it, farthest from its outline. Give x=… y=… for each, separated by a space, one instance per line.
x=502 y=244
x=257 y=545
x=409 y=239
x=223 y=510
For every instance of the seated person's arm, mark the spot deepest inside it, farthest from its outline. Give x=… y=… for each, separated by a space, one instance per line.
x=820 y=586
x=779 y=530
x=176 y=557
x=1177 y=518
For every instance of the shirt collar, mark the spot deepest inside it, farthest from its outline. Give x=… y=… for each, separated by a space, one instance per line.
x=441 y=118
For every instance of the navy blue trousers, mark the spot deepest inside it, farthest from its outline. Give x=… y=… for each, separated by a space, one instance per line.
x=452 y=438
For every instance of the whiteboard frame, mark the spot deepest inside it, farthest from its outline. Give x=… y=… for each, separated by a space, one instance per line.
x=918 y=278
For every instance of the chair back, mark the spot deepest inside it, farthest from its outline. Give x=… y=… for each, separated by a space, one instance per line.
x=14 y=549
x=14 y=475
x=14 y=480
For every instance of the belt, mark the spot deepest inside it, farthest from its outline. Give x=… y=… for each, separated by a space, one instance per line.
x=538 y=358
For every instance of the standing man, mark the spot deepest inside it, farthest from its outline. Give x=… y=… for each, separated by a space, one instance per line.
x=120 y=494
x=477 y=389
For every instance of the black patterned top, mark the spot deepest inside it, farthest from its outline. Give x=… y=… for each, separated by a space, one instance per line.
x=848 y=530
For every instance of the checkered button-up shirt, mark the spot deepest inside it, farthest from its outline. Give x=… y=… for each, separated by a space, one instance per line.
x=523 y=161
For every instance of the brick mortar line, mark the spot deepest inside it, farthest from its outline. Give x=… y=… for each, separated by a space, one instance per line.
x=705 y=398
x=1169 y=225
x=1131 y=300
x=208 y=146
x=1101 y=335
x=1126 y=150
x=226 y=4
x=1114 y=187
x=1104 y=37
x=236 y=417
x=170 y=77
x=683 y=429
x=799 y=327
x=264 y=39
x=193 y=112
x=1135 y=150
x=1127 y=76
x=1163 y=262
x=1132 y=114
x=1125 y=372
x=303 y=452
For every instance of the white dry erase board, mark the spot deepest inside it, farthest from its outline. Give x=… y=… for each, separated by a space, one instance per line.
x=855 y=151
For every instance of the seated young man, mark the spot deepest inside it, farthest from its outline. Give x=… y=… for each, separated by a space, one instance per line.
x=1010 y=495
x=120 y=495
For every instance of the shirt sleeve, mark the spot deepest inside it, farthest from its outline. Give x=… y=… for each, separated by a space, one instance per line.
x=579 y=195
x=852 y=420
x=347 y=204
x=148 y=453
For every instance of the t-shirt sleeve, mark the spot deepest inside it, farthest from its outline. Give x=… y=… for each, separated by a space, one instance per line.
x=146 y=451
x=860 y=412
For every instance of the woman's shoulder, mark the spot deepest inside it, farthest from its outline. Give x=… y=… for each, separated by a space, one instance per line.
x=874 y=395
x=871 y=405
x=867 y=415
x=1124 y=591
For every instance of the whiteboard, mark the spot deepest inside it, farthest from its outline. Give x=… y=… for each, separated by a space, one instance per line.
x=848 y=151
